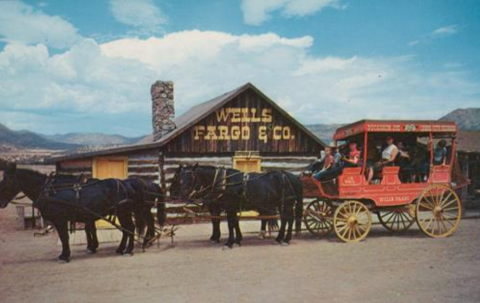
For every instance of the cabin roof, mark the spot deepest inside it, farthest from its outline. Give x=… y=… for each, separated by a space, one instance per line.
x=185 y=121
x=468 y=141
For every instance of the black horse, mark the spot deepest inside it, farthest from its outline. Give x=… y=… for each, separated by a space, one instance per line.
x=231 y=191
x=144 y=195
x=79 y=203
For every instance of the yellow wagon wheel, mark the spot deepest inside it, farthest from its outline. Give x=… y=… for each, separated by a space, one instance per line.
x=352 y=221
x=438 y=211
x=318 y=218
x=395 y=220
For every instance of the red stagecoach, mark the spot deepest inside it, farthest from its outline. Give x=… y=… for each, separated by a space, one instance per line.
x=398 y=197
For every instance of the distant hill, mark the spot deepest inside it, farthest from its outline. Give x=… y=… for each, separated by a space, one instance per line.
x=324 y=131
x=93 y=139
x=466 y=118
x=27 y=140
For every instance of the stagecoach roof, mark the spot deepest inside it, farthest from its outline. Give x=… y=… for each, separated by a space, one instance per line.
x=185 y=121
x=416 y=127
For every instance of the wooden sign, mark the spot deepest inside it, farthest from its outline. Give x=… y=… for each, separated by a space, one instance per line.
x=234 y=123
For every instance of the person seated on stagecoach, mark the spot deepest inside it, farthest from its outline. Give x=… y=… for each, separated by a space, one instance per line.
x=403 y=161
x=353 y=159
x=328 y=165
x=317 y=165
x=440 y=153
x=389 y=154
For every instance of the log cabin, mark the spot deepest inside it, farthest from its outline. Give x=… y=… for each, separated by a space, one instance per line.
x=242 y=129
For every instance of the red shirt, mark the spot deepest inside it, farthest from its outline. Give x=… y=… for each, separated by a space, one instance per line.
x=328 y=161
x=354 y=154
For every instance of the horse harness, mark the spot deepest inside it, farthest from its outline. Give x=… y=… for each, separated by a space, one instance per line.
x=219 y=184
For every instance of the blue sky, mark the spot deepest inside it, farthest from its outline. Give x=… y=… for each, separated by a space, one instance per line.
x=87 y=66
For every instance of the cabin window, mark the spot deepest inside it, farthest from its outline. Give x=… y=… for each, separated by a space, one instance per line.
x=247 y=161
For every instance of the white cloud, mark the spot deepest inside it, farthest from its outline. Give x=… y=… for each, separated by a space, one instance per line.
x=439 y=33
x=22 y=23
x=144 y=15
x=444 y=31
x=256 y=12
x=107 y=84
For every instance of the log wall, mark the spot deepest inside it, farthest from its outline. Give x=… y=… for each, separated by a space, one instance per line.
x=76 y=167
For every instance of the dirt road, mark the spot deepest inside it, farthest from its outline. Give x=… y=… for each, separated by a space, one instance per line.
x=384 y=268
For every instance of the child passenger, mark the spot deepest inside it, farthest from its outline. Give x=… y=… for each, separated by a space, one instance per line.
x=327 y=164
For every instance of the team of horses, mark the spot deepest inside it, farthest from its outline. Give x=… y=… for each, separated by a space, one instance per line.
x=63 y=199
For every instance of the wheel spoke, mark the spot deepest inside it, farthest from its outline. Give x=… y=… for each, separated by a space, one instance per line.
x=444 y=226
x=429 y=199
x=447 y=220
x=449 y=203
x=446 y=199
x=427 y=206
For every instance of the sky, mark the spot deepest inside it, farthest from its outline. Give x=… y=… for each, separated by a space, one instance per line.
x=87 y=66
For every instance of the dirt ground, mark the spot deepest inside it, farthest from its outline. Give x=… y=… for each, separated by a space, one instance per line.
x=384 y=268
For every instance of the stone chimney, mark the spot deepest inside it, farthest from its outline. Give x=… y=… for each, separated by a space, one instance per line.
x=163 y=109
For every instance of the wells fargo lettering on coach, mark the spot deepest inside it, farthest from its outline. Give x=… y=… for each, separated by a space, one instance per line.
x=238 y=122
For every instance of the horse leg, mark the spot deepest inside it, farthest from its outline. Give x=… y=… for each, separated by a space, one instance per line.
x=281 y=232
x=150 y=227
x=216 y=233
x=123 y=243
x=290 y=216
x=263 y=230
x=128 y=239
x=62 y=229
x=231 y=228
x=93 y=229
x=90 y=231
x=131 y=237
x=238 y=232
x=88 y=235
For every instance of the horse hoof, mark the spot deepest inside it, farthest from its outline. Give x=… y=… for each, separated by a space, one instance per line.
x=284 y=243
x=91 y=251
x=227 y=247
x=128 y=254
x=63 y=260
x=262 y=235
x=238 y=244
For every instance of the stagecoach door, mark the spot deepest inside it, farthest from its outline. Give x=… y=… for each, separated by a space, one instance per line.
x=109 y=167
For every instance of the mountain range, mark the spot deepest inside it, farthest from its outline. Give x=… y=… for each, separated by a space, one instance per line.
x=467 y=119
x=92 y=139
x=22 y=139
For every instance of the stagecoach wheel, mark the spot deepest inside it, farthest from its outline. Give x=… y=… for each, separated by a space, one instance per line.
x=352 y=221
x=438 y=211
x=318 y=218
x=396 y=219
